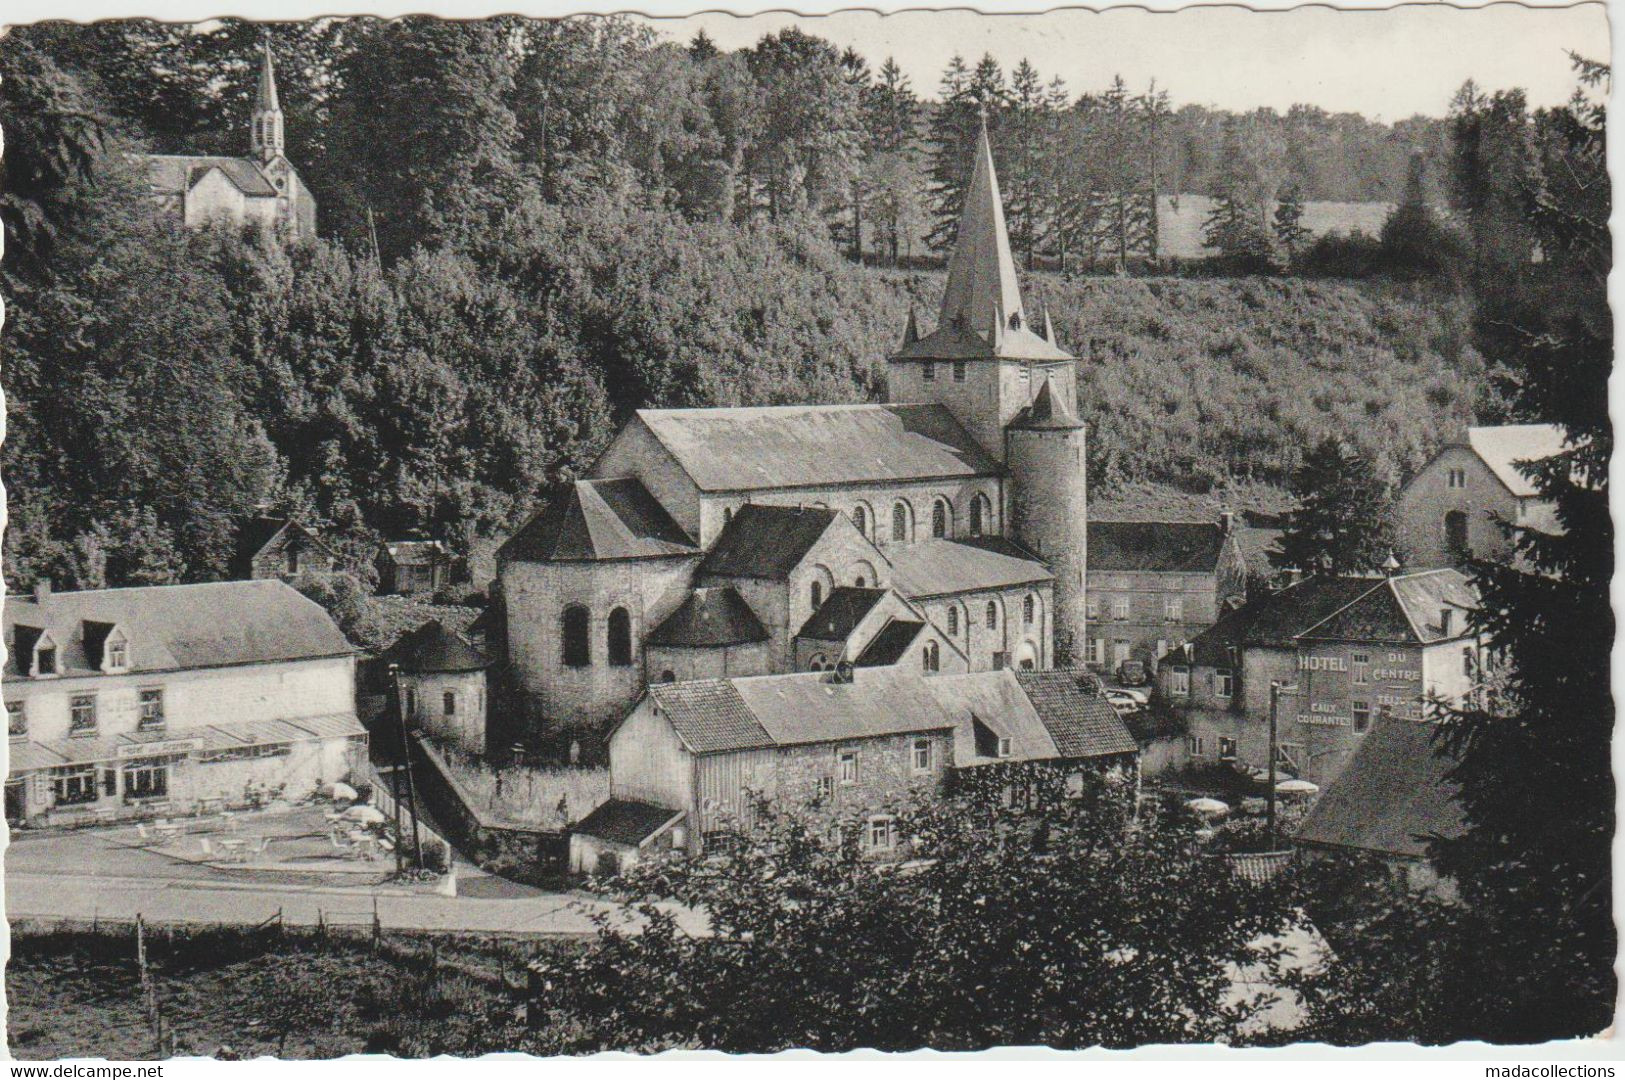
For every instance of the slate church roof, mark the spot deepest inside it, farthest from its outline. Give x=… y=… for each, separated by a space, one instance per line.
x=841 y=612
x=710 y=618
x=945 y=567
x=592 y=520
x=176 y=174
x=1188 y=547
x=766 y=542
x=789 y=446
x=433 y=649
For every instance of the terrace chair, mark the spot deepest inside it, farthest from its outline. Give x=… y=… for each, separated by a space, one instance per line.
x=206 y=846
x=144 y=833
x=256 y=847
x=341 y=844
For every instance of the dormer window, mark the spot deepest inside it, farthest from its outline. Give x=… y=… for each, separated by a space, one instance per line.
x=1444 y=621
x=1004 y=746
x=118 y=655
x=45 y=658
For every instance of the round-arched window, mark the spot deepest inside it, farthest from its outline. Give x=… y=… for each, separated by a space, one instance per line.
x=992 y=615
x=576 y=647
x=620 y=638
x=900 y=521
x=953 y=621
x=860 y=518
x=981 y=514
x=941 y=519
x=1027 y=606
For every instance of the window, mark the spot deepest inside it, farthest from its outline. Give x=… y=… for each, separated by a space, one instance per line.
x=1173 y=609
x=82 y=715
x=620 y=638
x=1224 y=683
x=860 y=518
x=1456 y=478
x=1028 y=609
x=848 y=766
x=152 y=710
x=1094 y=650
x=899 y=521
x=1004 y=746
x=1179 y=682
x=825 y=789
x=1362 y=668
x=922 y=755
x=1469 y=663
x=1026 y=372
x=930 y=371
x=16 y=720
x=939 y=519
x=815 y=593
x=1445 y=622
x=1091 y=608
x=882 y=833
x=1227 y=748
x=1362 y=714
x=1455 y=535
x=998 y=661
x=981 y=514
x=146 y=781
x=74 y=784
x=668 y=676
x=45 y=660
x=411 y=701
x=1119 y=607
x=1194 y=746
x=118 y=654
x=448 y=703
x=292 y=556
x=953 y=621
x=959 y=371
x=992 y=614
x=576 y=648
x=931 y=657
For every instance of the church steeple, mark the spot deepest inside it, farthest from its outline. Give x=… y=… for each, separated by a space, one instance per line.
x=982 y=289
x=265 y=137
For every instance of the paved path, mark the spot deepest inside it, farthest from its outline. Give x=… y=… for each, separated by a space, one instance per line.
x=543 y=914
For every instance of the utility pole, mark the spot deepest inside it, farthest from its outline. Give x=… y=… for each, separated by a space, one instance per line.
x=405 y=766
x=1276 y=690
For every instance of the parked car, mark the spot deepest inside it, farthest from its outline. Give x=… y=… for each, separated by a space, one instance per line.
x=1133 y=673
x=1127 y=702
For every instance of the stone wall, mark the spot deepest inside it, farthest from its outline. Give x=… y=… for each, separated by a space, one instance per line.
x=1424 y=502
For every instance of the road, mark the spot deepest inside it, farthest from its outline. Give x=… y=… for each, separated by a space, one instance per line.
x=54 y=897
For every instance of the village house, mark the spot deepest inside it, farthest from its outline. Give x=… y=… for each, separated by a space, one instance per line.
x=270 y=547
x=413 y=566
x=1347 y=650
x=125 y=701
x=692 y=759
x=964 y=495
x=262 y=191
x=1392 y=801
x=440 y=678
x=1154 y=585
x=1451 y=510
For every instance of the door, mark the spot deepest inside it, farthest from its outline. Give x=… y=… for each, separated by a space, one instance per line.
x=1119 y=653
x=16 y=802
x=1455 y=535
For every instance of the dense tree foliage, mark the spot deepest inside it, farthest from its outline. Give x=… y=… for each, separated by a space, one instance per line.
x=1066 y=925
x=1342 y=522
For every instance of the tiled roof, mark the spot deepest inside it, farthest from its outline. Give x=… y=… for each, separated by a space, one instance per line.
x=171 y=627
x=888 y=646
x=176 y=173
x=1501 y=448
x=766 y=542
x=1392 y=797
x=752 y=449
x=1403 y=609
x=997 y=700
x=812 y=708
x=840 y=613
x=710 y=716
x=621 y=821
x=710 y=618
x=1082 y=725
x=1258 y=867
x=434 y=649
x=945 y=567
x=593 y=520
x=1166 y=546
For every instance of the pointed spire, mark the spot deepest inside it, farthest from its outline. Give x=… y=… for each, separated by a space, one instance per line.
x=1050 y=411
x=982 y=289
x=1049 y=327
x=912 y=333
x=266 y=100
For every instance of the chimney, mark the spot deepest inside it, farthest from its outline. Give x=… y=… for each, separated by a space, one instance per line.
x=1227 y=522
x=42 y=590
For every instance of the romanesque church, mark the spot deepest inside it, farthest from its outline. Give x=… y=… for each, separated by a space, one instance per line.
x=943 y=530
x=262 y=190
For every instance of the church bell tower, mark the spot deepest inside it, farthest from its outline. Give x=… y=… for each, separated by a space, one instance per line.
x=265 y=138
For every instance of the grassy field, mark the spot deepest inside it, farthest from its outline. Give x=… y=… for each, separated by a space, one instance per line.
x=244 y=993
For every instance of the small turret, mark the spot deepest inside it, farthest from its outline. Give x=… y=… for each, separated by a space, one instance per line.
x=911 y=333
x=1046 y=452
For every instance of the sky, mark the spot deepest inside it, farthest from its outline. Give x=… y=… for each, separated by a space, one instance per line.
x=1385 y=64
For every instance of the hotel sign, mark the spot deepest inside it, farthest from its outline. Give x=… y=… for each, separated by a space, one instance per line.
x=159 y=749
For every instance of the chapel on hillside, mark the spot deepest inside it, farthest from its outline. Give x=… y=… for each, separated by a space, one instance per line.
x=943 y=530
x=261 y=190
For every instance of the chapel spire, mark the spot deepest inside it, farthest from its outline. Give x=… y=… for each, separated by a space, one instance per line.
x=266 y=134
x=982 y=289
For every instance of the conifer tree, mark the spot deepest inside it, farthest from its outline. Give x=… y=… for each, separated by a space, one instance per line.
x=1290 y=233
x=1342 y=520
x=953 y=126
